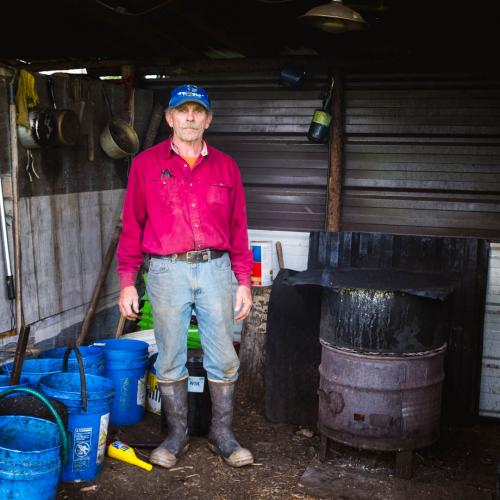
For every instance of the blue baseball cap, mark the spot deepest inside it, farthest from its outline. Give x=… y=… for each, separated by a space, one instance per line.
x=189 y=93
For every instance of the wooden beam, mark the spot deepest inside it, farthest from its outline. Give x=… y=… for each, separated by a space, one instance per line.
x=166 y=66
x=104 y=64
x=334 y=194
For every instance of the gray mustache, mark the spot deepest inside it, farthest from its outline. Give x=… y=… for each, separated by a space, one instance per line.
x=193 y=126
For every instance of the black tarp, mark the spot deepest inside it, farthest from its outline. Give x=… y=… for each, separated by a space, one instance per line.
x=292 y=352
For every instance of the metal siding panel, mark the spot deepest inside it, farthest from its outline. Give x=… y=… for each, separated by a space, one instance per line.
x=422 y=155
x=489 y=404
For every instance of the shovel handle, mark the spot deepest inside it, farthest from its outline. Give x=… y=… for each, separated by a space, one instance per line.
x=22 y=342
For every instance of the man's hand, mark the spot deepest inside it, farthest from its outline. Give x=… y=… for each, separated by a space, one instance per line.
x=243 y=302
x=129 y=302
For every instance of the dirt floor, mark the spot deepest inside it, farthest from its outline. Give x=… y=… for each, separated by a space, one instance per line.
x=461 y=465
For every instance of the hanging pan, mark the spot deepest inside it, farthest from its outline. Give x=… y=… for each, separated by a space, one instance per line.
x=118 y=139
x=50 y=126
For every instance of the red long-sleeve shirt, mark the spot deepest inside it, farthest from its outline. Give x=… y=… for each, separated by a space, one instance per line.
x=171 y=208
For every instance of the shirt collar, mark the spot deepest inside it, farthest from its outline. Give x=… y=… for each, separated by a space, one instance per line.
x=172 y=148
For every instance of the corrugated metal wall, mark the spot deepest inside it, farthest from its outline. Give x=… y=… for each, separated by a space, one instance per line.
x=263 y=124
x=422 y=155
x=422 y=152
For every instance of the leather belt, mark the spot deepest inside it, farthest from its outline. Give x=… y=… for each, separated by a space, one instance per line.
x=194 y=256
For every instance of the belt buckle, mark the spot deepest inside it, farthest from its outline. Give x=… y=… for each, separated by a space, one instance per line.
x=194 y=256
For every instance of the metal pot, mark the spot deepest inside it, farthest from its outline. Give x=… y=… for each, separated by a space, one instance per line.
x=118 y=139
x=41 y=131
x=50 y=127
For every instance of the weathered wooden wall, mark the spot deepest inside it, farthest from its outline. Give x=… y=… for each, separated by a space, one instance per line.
x=67 y=214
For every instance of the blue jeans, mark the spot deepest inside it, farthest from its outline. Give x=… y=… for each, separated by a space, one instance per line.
x=175 y=288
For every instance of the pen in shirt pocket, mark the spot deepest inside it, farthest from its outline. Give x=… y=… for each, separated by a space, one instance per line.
x=165 y=174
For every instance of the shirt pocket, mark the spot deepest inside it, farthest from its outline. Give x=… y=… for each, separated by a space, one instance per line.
x=165 y=192
x=219 y=192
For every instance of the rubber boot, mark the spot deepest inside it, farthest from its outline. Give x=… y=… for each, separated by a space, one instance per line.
x=221 y=439
x=174 y=398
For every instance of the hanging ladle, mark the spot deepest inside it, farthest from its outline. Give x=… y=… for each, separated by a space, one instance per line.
x=118 y=139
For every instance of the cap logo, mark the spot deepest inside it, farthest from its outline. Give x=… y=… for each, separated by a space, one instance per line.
x=186 y=93
x=191 y=94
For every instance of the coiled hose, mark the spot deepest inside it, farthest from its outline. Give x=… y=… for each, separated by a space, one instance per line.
x=48 y=404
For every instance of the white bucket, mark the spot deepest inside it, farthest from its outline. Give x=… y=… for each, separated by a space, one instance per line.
x=262 y=269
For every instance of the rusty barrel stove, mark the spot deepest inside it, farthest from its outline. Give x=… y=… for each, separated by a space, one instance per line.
x=383 y=338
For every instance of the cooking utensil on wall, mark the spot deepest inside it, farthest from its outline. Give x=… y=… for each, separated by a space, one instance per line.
x=118 y=139
x=40 y=132
x=67 y=122
x=50 y=126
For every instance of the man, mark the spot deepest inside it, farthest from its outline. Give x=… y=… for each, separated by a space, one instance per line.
x=185 y=209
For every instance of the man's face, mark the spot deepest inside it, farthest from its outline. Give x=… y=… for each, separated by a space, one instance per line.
x=188 y=121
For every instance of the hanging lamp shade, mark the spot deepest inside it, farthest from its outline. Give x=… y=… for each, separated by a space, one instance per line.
x=334 y=17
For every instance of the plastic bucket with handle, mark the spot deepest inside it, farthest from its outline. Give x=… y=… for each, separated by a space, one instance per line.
x=89 y=399
x=34 y=369
x=32 y=450
x=93 y=358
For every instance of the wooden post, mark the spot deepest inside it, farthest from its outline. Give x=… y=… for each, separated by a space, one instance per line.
x=253 y=348
x=334 y=194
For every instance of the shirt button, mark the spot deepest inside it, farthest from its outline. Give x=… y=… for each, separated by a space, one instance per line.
x=191 y=184
x=196 y=225
x=185 y=164
x=193 y=205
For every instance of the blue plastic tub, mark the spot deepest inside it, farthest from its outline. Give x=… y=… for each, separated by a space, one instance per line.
x=88 y=429
x=126 y=364
x=30 y=458
x=34 y=369
x=93 y=358
x=5 y=383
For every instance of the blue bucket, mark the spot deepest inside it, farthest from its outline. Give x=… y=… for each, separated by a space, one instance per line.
x=126 y=364
x=34 y=369
x=30 y=458
x=5 y=383
x=88 y=428
x=93 y=358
